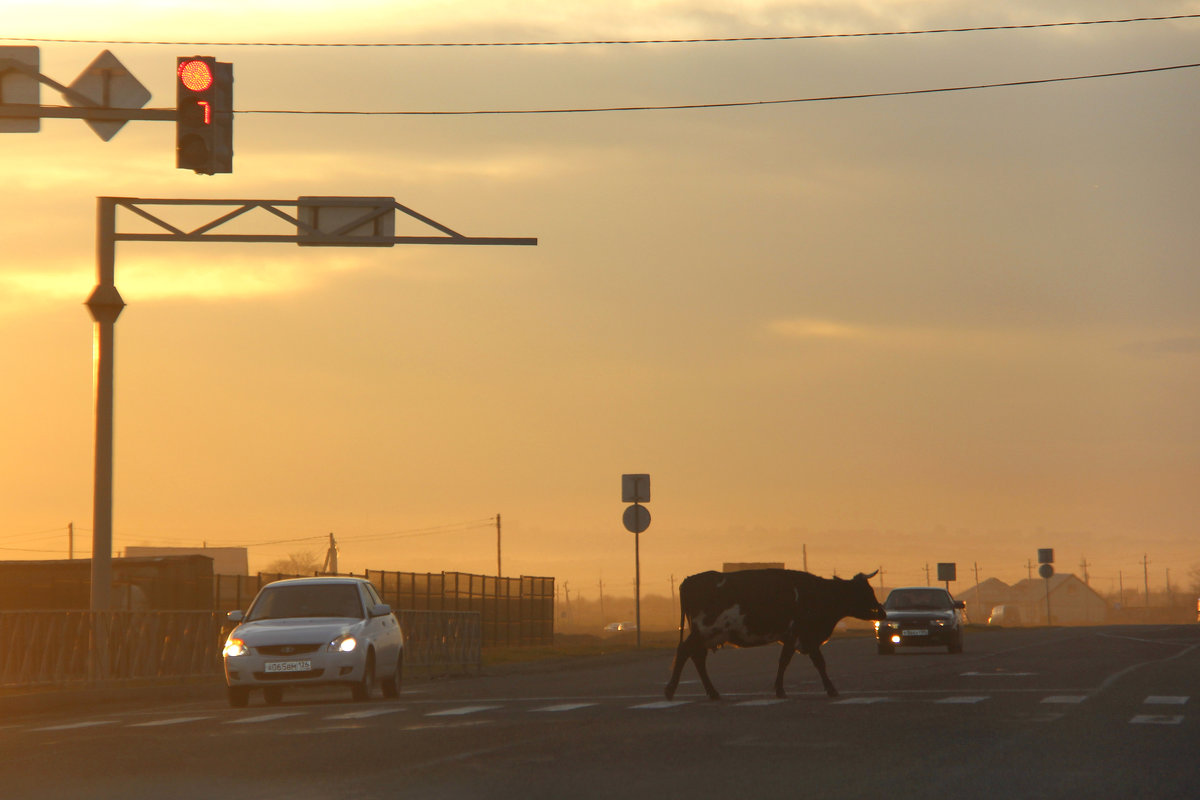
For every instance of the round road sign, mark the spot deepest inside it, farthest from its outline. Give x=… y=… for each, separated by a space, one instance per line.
x=636 y=519
x=1046 y=570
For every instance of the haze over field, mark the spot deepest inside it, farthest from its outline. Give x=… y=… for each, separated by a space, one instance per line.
x=953 y=326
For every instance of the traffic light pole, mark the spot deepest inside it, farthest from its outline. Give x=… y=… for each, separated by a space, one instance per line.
x=318 y=221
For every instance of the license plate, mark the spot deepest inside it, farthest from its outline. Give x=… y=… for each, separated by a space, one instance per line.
x=915 y=632
x=289 y=666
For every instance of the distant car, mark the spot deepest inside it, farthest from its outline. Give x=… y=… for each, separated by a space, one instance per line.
x=1005 y=615
x=616 y=627
x=314 y=631
x=921 y=616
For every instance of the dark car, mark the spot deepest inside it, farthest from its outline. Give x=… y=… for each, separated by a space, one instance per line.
x=921 y=616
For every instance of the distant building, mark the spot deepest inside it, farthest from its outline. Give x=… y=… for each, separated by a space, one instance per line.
x=1072 y=602
x=226 y=560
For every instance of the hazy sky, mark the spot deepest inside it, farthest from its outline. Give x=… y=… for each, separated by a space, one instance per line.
x=900 y=330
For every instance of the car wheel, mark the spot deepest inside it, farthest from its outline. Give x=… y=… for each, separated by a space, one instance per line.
x=273 y=695
x=886 y=649
x=365 y=687
x=956 y=646
x=391 y=687
x=239 y=696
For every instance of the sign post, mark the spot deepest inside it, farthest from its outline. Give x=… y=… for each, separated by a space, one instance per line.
x=1046 y=570
x=635 y=489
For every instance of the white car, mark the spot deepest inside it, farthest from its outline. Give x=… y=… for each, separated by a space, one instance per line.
x=314 y=631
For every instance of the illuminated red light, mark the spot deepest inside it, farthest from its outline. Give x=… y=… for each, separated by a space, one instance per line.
x=196 y=75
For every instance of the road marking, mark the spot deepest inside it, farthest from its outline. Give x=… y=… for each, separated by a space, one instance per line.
x=173 y=721
x=77 y=725
x=963 y=699
x=370 y=712
x=662 y=704
x=459 y=712
x=1157 y=719
x=563 y=707
x=1065 y=698
x=1165 y=700
x=996 y=674
x=263 y=718
x=765 y=701
x=860 y=701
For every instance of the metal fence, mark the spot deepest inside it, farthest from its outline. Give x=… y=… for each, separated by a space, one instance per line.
x=40 y=648
x=513 y=611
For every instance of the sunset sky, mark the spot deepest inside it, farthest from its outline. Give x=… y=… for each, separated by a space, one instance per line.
x=954 y=326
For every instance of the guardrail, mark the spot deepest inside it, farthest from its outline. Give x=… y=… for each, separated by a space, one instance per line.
x=50 y=648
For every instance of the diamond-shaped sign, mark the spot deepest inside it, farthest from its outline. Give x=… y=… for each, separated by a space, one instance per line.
x=108 y=84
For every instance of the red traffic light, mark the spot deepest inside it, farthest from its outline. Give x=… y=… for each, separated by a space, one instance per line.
x=196 y=75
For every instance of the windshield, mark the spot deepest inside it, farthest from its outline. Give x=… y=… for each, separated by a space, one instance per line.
x=918 y=600
x=310 y=600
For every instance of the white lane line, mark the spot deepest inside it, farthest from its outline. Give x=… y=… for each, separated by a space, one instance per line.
x=71 y=726
x=563 y=707
x=662 y=704
x=1064 y=699
x=962 y=699
x=1157 y=719
x=860 y=701
x=172 y=721
x=458 y=712
x=370 y=712
x=263 y=718
x=1165 y=700
x=765 y=701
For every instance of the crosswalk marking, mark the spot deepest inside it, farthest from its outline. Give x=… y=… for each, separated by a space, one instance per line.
x=263 y=718
x=766 y=701
x=1165 y=700
x=370 y=712
x=563 y=707
x=1065 y=699
x=172 y=721
x=70 y=726
x=1157 y=719
x=458 y=712
x=961 y=700
x=662 y=704
x=860 y=701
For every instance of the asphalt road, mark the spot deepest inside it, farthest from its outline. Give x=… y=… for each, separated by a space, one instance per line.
x=1056 y=713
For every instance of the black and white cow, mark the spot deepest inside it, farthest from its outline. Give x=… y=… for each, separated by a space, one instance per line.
x=760 y=606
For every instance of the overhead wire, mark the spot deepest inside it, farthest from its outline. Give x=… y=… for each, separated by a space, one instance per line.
x=729 y=104
x=595 y=42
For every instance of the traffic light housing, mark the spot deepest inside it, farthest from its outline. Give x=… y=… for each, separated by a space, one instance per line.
x=204 y=115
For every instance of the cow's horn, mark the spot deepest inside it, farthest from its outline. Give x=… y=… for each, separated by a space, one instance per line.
x=872 y=575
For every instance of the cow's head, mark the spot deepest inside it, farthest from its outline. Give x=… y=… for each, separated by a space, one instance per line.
x=860 y=598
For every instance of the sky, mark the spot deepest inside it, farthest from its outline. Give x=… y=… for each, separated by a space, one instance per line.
x=843 y=333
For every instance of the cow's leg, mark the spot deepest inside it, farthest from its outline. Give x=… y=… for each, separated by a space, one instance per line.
x=818 y=660
x=785 y=658
x=699 y=657
x=692 y=647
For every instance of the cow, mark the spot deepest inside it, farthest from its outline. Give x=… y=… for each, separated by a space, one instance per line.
x=760 y=606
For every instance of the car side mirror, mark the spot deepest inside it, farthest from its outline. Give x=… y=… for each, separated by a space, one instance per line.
x=235 y=616
x=380 y=610
x=960 y=604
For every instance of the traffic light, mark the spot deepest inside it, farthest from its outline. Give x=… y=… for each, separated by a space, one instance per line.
x=204 y=115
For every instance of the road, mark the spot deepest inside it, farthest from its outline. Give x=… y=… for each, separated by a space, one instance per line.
x=1047 y=713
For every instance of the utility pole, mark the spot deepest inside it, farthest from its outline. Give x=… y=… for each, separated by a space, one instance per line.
x=672 y=589
x=1083 y=565
x=331 y=558
x=71 y=541
x=1121 y=585
x=1146 y=575
x=927 y=583
x=804 y=554
x=499 y=572
x=881 y=577
x=603 y=617
x=1029 y=567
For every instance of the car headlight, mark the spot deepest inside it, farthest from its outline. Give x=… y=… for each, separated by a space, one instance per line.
x=343 y=644
x=235 y=647
x=938 y=623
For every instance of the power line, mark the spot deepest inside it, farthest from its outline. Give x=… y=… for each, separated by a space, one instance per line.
x=594 y=42
x=731 y=104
